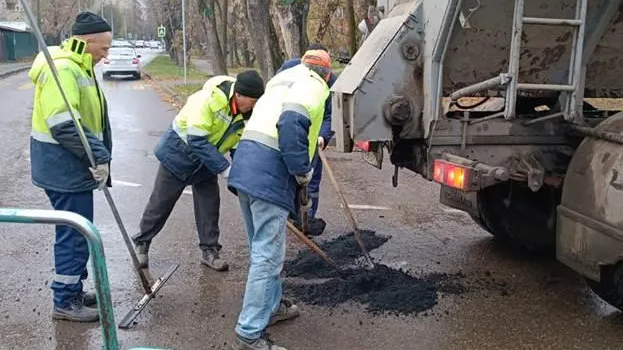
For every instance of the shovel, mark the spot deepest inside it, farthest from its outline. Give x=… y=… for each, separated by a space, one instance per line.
x=347 y=211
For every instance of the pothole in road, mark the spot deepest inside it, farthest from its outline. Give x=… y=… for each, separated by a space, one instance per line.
x=381 y=289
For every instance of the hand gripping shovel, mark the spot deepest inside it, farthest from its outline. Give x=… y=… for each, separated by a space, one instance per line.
x=150 y=289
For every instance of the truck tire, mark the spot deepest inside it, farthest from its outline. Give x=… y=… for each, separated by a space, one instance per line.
x=610 y=288
x=511 y=212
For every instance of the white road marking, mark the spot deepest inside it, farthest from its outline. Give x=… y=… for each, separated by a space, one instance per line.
x=125 y=183
x=367 y=207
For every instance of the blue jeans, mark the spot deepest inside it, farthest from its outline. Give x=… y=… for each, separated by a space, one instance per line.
x=265 y=224
x=313 y=187
x=71 y=251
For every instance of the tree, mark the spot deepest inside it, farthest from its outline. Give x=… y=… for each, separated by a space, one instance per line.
x=214 y=48
x=292 y=15
x=265 y=37
x=352 y=27
x=325 y=19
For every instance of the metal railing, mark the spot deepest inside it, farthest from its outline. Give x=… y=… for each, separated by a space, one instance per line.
x=96 y=249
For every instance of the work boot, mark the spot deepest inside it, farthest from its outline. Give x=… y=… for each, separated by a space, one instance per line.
x=89 y=299
x=211 y=259
x=316 y=227
x=263 y=343
x=76 y=312
x=142 y=249
x=287 y=310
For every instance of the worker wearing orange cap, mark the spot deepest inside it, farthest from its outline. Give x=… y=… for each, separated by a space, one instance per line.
x=316 y=225
x=273 y=160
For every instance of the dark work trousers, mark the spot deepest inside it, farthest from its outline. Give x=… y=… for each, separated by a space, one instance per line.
x=71 y=251
x=167 y=190
x=313 y=188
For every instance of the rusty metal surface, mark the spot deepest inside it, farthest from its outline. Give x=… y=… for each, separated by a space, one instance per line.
x=479 y=49
x=593 y=200
x=368 y=55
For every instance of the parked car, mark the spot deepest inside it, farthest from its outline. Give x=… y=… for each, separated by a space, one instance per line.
x=122 y=61
x=121 y=43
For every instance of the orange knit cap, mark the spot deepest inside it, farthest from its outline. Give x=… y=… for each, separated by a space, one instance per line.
x=317 y=57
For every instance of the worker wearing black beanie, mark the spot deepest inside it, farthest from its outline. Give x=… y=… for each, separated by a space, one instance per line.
x=192 y=153
x=58 y=160
x=89 y=23
x=249 y=84
x=95 y=32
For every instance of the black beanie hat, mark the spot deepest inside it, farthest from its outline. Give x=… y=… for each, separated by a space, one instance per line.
x=89 y=23
x=249 y=84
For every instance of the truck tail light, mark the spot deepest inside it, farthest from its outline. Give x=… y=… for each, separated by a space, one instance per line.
x=363 y=145
x=135 y=60
x=452 y=175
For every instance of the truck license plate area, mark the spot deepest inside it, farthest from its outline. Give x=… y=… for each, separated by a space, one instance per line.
x=455 y=198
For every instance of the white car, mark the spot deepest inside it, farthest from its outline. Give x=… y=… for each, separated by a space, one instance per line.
x=122 y=61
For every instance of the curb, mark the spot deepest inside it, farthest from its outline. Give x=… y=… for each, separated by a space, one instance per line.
x=13 y=72
x=165 y=88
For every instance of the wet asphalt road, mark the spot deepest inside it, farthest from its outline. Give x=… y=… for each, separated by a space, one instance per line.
x=547 y=305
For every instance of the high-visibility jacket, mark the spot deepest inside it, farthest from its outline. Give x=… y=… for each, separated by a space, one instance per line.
x=325 y=129
x=202 y=132
x=58 y=159
x=281 y=137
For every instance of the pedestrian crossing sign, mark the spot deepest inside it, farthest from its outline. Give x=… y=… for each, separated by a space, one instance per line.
x=162 y=32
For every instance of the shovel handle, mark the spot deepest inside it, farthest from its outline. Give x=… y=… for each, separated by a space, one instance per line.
x=314 y=247
x=347 y=211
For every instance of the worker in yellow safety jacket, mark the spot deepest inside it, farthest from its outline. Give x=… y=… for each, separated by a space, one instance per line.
x=272 y=161
x=59 y=163
x=191 y=152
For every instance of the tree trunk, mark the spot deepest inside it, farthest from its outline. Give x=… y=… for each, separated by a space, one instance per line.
x=246 y=54
x=260 y=25
x=351 y=27
x=224 y=20
x=217 y=57
x=325 y=20
x=292 y=15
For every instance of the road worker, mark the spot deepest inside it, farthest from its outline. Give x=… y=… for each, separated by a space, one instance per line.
x=191 y=153
x=316 y=225
x=272 y=161
x=59 y=163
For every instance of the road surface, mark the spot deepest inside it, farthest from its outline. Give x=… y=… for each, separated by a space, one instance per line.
x=507 y=300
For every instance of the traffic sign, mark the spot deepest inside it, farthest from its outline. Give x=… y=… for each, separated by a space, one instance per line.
x=162 y=32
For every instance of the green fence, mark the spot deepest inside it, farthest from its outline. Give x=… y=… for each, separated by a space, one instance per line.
x=19 y=45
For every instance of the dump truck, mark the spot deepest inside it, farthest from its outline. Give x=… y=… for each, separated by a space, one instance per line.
x=511 y=106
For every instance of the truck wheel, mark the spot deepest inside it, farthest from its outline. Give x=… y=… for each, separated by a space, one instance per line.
x=512 y=212
x=610 y=288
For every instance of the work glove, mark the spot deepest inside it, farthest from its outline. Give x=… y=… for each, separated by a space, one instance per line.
x=320 y=142
x=225 y=173
x=303 y=180
x=306 y=207
x=100 y=174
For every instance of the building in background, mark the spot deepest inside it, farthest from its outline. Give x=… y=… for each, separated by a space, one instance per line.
x=16 y=41
x=11 y=11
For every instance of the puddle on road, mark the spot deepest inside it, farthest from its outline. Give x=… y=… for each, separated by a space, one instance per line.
x=382 y=289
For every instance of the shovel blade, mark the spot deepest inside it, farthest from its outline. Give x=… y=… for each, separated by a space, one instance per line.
x=140 y=306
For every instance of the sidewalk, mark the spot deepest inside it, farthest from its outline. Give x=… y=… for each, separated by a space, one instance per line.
x=7 y=69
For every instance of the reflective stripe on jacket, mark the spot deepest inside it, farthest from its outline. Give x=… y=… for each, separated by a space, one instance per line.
x=58 y=159
x=202 y=132
x=280 y=138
